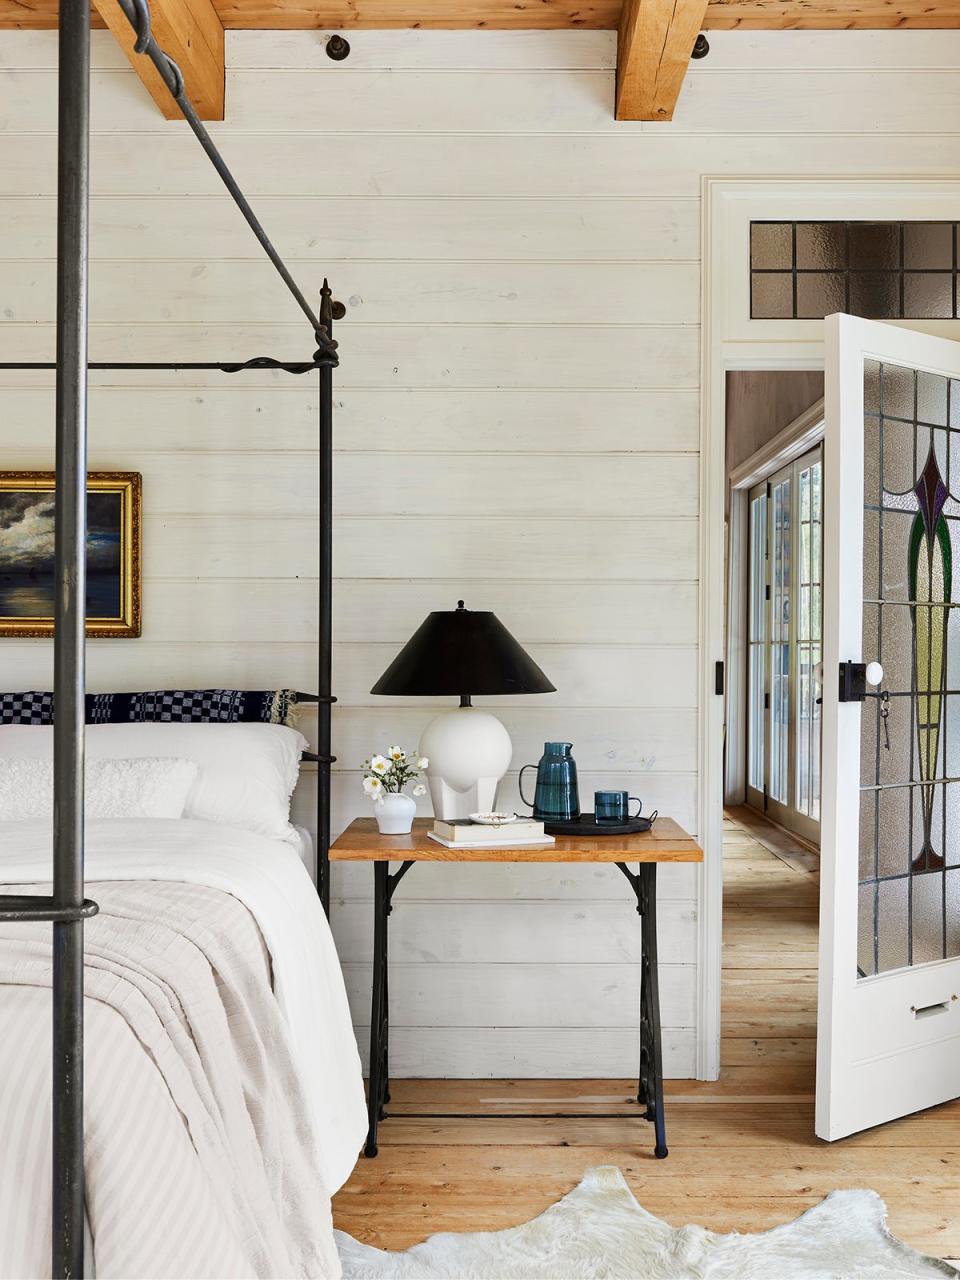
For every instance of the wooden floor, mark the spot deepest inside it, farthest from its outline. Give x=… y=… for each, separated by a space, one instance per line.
x=742 y=1150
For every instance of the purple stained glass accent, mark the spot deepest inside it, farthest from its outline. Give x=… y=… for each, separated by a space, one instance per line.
x=931 y=493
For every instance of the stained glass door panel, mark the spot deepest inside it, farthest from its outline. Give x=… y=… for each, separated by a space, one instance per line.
x=909 y=878
x=889 y=1001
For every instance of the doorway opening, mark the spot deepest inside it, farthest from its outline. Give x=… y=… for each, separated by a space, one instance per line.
x=774 y=597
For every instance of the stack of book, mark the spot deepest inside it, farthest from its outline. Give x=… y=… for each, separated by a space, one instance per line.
x=462 y=833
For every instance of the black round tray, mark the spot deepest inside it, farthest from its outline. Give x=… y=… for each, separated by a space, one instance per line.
x=587 y=825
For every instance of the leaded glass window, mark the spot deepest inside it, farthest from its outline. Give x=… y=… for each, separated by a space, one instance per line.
x=880 y=270
x=909 y=909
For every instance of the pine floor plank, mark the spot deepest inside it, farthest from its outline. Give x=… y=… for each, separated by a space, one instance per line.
x=743 y=1153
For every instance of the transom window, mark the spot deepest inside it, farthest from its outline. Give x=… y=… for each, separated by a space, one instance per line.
x=880 y=270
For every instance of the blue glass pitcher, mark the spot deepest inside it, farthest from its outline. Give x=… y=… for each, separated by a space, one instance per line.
x=556 y=798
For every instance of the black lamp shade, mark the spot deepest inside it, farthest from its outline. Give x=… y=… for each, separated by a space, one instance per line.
x=461 y=652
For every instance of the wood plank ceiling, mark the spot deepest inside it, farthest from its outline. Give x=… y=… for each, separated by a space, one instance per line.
x=655 y=36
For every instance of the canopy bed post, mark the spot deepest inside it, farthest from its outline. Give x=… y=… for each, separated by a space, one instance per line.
x=325 y=697
x=69 y=633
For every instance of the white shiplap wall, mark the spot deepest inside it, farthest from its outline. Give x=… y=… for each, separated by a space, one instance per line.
x=517 y=423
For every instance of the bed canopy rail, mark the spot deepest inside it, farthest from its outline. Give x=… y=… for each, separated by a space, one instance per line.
x=66 y=907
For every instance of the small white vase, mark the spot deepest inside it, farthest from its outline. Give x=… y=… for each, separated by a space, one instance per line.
x=394 y=813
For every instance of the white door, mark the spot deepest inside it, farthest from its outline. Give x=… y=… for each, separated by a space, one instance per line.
x=889 y=1014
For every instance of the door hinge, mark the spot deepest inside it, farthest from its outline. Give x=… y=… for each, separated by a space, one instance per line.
x=853 y=681
x=766 y=702
x=718 y=679
x=766 y=592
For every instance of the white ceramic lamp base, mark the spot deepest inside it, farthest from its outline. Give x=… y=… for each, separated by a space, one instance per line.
x=469 y=752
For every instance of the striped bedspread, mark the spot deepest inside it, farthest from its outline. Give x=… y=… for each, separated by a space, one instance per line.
x=205 y=1153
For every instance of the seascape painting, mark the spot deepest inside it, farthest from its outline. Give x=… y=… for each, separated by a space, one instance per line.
x=27 y=554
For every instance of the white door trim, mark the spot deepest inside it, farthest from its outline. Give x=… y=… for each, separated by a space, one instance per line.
x=732 y=340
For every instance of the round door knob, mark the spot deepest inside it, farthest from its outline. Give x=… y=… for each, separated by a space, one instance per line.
x=874 y=673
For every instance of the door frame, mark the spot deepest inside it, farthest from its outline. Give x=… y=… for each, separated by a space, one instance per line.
x=732 y=340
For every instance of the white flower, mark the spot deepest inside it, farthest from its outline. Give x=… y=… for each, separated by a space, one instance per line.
x=423 y=763
x=419 y=789
x=397 y=753
x=372 y=786
x=379 y=764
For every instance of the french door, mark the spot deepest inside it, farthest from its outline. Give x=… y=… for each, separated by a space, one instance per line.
x=889 y=996
x=784 y=639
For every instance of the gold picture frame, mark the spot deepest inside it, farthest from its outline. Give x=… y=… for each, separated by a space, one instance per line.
x=113 y=553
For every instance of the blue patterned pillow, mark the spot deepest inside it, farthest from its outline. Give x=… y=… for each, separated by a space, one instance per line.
x=197 y=706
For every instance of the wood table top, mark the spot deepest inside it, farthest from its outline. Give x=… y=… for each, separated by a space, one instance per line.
x=666 y=841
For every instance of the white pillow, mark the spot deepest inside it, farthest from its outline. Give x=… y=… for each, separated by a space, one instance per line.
x=143 y=788
x=247 y=772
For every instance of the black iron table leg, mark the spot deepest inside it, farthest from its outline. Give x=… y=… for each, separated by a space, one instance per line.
x=650 y=1008
x=379 y=1011
x=650 y=1082
x=384 y=885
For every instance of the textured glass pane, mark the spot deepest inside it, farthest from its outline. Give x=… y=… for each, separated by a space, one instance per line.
x=871 y=386
x=875 y=295
x=771 y=297
x=874 y=244
x=892 y=924
x=898 y=392
x=899 y=461
x=820 y=294
x=771 y=246
x=953 y=914
x=871 y=461
x=893 y=832
x=871 y=555
x=821 y=245
x=927 y=294
x=897 y=528
x=871 y=630
x=896 y=649
x=868 y=834
x=951 y=846
x=869 y=728
x=955 y=403
x=928 y=245
x=932 y=398
x=927 y=918
x=865 y=941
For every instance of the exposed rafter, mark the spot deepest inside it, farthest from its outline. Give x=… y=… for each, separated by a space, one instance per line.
x=192 y=34
x=653 y=50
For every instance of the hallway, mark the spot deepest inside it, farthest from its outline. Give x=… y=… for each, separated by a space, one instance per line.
x=743 y=1155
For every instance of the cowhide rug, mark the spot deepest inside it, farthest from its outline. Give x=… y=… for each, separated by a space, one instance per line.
x=600 y=1232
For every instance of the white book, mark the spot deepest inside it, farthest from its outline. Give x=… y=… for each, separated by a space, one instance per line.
x=542 y=842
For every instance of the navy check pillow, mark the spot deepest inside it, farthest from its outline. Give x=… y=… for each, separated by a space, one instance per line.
x=184 y=706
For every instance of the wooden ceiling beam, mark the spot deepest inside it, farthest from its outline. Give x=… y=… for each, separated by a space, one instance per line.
x=191 y=32
x=540 y=15
x=655 y=40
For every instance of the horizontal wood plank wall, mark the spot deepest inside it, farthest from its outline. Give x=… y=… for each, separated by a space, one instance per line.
x=517 y=423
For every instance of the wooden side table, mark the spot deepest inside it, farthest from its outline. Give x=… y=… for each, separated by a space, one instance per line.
x=665 y=842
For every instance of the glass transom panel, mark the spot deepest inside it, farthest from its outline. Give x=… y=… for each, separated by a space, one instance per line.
x=909 y=869
x=880 y=270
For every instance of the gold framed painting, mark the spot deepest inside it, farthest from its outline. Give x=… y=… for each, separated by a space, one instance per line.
x=26 y=553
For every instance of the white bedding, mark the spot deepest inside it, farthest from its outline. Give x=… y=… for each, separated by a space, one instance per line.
x=268 y=877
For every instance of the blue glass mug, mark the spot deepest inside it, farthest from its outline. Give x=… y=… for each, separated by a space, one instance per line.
x=614 y=806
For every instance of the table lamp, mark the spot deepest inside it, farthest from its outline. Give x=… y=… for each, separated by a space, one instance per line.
x=466 y=653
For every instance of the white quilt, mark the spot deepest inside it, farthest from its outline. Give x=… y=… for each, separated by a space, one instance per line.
x=267 y=877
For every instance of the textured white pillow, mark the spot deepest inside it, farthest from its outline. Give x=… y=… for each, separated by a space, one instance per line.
x=142 y=788
x=247 y=772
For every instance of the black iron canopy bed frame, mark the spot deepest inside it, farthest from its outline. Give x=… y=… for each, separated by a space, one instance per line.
x=67 y=907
